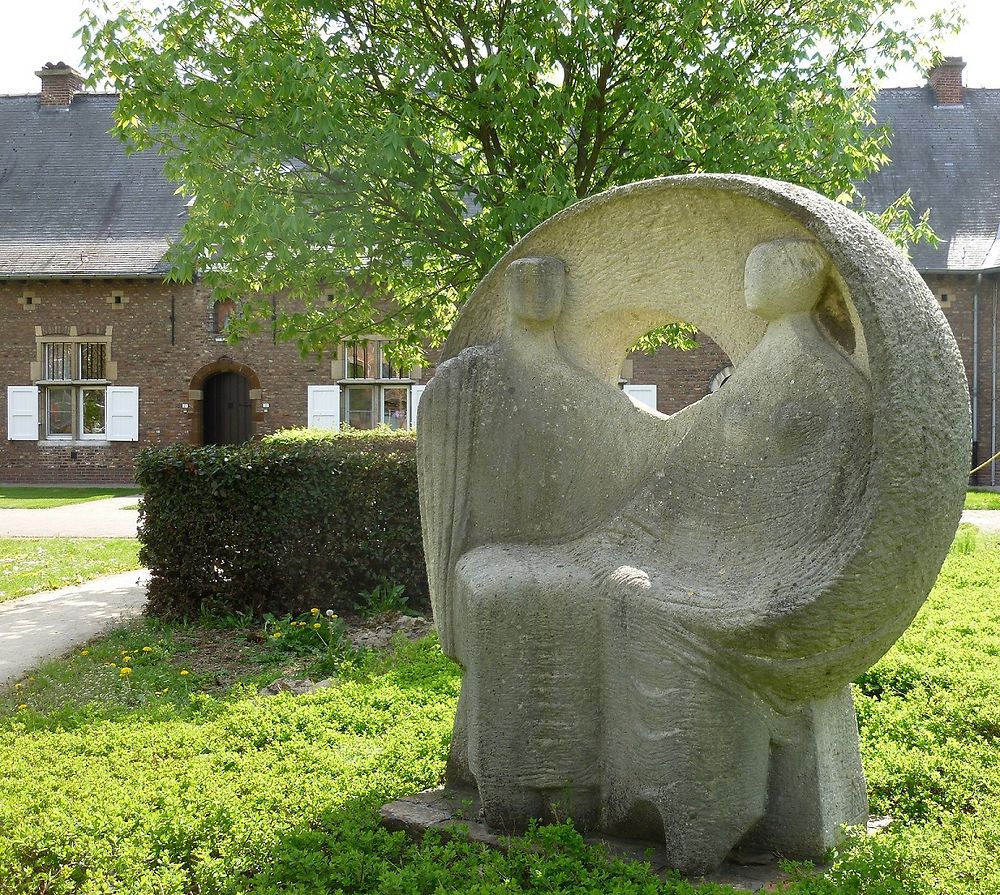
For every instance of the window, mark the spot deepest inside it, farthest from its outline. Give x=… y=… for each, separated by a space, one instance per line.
x=93 y=412
x=71 y=397
x=92 y=358
x=223 y=310
x=361 y=360
x=359 y=406
x=73 y=387
x=58 y=358
x=375 y=392
x=394 y=406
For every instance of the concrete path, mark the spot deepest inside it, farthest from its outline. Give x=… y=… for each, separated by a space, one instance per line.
x=987 y=520
x=43 y=626
x=96 y=519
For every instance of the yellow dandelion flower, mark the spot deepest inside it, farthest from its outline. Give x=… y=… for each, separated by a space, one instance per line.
x=17 y=686
x=184 y=672
x=147 y=649
x=276 y=635
x=317 y=625
x=314 y=611
x=124 y=672
x=85 y=652
x=22 y=706
x=126 y=658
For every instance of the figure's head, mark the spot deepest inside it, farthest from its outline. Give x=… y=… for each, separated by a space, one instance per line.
x=783 y=277
x=535 y=289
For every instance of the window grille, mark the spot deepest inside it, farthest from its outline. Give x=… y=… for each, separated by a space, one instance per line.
x=92 y=357
x=58 y=360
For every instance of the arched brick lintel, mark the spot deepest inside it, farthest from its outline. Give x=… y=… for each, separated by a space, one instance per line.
x=222 y=365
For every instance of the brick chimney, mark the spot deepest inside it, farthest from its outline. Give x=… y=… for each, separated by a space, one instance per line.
x=59 y=82
x=946 y=80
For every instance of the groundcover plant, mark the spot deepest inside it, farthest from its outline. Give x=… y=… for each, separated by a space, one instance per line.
x=179 y=776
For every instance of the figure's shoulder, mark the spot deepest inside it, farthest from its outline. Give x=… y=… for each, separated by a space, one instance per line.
x=469 y=363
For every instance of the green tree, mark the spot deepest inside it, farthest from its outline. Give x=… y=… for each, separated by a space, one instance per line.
x=377 y=157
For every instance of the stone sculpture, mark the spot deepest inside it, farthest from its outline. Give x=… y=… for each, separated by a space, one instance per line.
x=658 y=617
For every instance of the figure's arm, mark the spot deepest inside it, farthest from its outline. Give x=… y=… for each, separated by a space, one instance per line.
x=446 y=430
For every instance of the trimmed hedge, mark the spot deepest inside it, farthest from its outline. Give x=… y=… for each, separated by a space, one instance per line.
x=297 y=520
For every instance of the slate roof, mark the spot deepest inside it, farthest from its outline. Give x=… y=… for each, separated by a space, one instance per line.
x=72 y=203
x=949 y=159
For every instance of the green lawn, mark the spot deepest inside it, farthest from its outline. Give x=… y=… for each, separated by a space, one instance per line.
x=157 y=781
x=28 y=565
x=982 y=500
x=30 y=497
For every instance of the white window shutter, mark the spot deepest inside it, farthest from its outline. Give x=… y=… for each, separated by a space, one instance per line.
x=415 y=394
x=22 y=413
x=323 y=406
x=642 y=395
x=123 y=413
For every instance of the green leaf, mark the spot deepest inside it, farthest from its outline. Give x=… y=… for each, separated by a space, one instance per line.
x=341 y=145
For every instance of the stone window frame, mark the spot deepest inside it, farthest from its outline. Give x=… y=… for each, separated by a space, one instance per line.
x=76 y=383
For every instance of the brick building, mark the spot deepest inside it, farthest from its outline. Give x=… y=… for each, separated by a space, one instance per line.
x=945 y=152
x=98 y=355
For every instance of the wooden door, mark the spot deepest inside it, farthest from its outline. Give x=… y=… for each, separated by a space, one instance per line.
x=226 y=405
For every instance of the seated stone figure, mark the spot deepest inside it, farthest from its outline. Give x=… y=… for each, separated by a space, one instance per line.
x=658 y=617
x=773 y=467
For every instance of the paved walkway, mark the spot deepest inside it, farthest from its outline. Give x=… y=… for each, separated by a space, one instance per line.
x=96 y=519
x=987 y=520
x=42 y=626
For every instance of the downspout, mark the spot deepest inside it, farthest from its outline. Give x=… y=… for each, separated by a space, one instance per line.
x=975 y=373
x=993 y=389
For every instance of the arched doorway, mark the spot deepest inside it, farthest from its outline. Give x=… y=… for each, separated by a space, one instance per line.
x=210 y=402
x=226 y=413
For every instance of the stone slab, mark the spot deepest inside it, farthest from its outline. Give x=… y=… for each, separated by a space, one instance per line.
x=457 y=812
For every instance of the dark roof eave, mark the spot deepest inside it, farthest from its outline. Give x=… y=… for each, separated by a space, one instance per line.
x=958 y=270
x=87 y=275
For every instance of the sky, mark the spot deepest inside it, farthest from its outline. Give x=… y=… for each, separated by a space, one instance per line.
x=38 y=31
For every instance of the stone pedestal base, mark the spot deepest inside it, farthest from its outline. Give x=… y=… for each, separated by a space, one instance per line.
x=457 y=812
